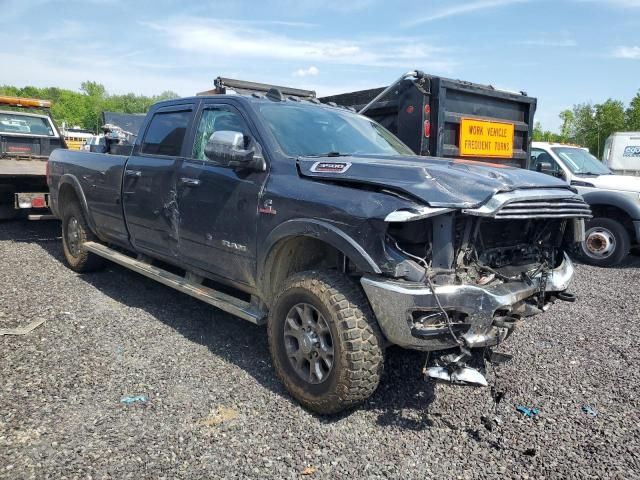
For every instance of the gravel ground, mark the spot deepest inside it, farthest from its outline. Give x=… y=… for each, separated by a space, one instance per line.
x=215 y=409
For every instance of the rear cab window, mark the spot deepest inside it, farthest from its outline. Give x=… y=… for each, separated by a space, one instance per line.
x=167 y=131
x=14 y=123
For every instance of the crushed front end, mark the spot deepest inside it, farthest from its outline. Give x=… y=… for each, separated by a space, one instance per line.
x=468 y=277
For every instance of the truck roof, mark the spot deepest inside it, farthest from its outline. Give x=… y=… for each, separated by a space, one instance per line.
x=614 y=134
x=556 y=144
x=25 y=114
x=273 y=96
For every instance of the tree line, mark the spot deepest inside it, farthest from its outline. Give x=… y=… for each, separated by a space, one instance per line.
x=84 y=108
x=585 y=124
x=589 y=124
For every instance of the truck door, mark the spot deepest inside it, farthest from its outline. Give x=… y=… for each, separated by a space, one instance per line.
x=218 y=204
x=149 y=187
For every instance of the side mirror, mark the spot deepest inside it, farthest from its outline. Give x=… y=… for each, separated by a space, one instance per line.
x=544 y=167
x=228 y=148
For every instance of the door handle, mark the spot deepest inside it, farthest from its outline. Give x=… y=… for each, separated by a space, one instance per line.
x=190 y=182
x=133 y=173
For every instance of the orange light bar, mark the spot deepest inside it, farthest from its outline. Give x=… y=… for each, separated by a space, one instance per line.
x=24 y=102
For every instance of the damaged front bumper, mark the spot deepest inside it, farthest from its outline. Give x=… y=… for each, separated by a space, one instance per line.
x=476 y=313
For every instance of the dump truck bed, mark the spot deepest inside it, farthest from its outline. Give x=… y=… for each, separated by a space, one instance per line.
x=442 y=117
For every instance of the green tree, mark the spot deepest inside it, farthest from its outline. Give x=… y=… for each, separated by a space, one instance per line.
x=632 y=114
x=568 y=121
x=84 y=108
x=609 y=118
x=538 y=133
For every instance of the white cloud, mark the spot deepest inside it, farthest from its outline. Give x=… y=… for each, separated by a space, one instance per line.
x=622 y=3
x=304 y=72
x=462 y=9
x=549 y=42
x=213 y=39
x=632 y=53
x=613 y=3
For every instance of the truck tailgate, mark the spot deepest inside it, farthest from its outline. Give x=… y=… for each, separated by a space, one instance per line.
x=13 y=167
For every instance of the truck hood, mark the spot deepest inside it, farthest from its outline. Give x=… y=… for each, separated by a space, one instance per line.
x=437 y=182
x=615 y=182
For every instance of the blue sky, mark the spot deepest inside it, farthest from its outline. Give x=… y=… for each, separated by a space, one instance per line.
x=561 y=51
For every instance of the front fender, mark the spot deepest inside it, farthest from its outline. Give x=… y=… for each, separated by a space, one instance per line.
x=625 y=201
x=321 y=230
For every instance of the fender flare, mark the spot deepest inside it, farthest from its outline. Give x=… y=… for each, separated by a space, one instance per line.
x=321 y=230
x=627 y=202
x=68 y=179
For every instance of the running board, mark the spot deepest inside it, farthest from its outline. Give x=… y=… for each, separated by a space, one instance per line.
x=42 y=217
x=223 y=301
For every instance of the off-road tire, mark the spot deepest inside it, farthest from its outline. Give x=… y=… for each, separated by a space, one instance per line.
x=357 y=341
x=83 y=261
x=622 y=242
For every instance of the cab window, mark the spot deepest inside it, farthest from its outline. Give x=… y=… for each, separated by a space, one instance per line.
x=166 y=133
x=214 y=119
x=543 y=162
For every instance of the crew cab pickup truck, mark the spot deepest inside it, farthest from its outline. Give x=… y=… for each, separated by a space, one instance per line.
x=614 y=200
x=321 y=224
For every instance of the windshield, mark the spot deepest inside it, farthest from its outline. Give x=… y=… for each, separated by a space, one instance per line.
x=309 y=131
x=16 y=123
x=581 y=162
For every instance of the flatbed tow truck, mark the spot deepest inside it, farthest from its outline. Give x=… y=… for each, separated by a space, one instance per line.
x=28 y=135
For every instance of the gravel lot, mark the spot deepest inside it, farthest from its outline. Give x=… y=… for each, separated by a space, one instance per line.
x=215 y=409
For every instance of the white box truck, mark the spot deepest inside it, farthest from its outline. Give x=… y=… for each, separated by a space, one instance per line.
x=622 y=153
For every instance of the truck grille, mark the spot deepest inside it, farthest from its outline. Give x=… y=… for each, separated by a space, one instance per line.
x=547 y=208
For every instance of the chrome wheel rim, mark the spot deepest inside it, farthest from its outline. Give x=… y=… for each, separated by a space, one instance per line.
x=73 y=236
x=308 y=343
x=599 y=243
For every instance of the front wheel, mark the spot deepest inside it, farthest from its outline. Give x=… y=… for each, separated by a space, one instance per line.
x=325 y=343
x=606 y=242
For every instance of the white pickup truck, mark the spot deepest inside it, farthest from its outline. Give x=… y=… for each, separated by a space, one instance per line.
x=614 y=199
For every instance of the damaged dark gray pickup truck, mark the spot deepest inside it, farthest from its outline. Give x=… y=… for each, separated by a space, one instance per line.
x=323 y=225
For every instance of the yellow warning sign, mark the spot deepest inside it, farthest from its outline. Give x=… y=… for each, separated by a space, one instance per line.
x=481 y=138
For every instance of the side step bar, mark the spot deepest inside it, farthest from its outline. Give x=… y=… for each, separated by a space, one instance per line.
x=223 y=301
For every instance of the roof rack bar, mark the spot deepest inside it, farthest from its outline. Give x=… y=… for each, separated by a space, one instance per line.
x=243 y=86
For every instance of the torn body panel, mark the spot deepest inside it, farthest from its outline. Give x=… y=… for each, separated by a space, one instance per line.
x=403 y=308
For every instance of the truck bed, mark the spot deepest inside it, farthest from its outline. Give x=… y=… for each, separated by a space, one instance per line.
x=427 y=115
x=99 y=177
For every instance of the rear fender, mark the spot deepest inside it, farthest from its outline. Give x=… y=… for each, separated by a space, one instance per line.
x=68 y=179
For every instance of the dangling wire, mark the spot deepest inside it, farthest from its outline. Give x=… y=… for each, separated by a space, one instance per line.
x=426 y=278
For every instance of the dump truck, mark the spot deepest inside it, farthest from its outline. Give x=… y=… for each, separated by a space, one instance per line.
x=442 y=117
x=28 y=135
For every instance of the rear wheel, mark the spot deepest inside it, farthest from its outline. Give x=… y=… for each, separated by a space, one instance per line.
x=75 y=232
x=325 y=344
x=606 y=242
